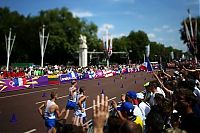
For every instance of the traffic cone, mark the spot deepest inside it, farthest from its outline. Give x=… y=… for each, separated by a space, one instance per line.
x=44 y=94
x=98 y=83
x=135 y=82
x=114 y=80
x=102 y=92
x=13 y=119
x=122 y=86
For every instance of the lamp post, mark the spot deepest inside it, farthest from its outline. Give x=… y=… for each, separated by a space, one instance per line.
x=155 y=58
x=129 y=53
x=9 y=46
x=43 y=44
x=107 y=44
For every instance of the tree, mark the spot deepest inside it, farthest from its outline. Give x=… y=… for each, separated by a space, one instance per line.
x=137 y=41
x=15 y=21
x=119 y=45
x=63 y=43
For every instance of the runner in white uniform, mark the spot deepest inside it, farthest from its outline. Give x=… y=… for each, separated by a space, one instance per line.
x=50 y=113
x=80 y=112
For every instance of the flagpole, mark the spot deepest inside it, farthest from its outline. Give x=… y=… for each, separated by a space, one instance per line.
x=107 y=41
x=190 y=20
x=43 y=44
x=9 y=46
x=193 y=38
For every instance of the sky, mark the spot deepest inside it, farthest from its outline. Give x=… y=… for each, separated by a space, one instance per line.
x=160 y=19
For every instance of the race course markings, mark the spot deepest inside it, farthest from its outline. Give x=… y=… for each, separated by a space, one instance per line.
x=30 y=131
x=100 y=103
x=57 y=99
x=28 y=93
x=67 y=95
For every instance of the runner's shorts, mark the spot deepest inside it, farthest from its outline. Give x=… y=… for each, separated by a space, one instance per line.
x=71 y=105
x=80 y=114
x=49 y=123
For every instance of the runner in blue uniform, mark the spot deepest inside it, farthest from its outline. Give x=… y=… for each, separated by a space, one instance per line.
x=72 y=99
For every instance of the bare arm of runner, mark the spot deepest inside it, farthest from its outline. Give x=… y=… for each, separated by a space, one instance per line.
x=40 y=109
x=73 y=89
x=56 y=109
x=80 y=102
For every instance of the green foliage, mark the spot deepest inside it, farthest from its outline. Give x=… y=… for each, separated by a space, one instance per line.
x=137 y=43
x=63 y=44
x=64 y=30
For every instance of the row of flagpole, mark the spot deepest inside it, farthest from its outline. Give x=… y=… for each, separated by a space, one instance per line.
x=191 y=35
x=10 y=42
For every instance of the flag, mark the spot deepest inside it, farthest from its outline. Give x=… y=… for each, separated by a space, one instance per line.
x=148 y=65
x=72 y=75
x=19 y=81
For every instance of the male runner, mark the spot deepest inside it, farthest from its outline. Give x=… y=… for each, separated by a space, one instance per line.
x=50 y=113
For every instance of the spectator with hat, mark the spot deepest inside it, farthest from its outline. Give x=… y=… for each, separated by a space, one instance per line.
x=132 y=97
x=153 y=89
x=143 y=106
x=126 y=112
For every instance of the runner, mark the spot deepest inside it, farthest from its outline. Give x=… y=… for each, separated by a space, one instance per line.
x=72 y=99
x=50 y=113
x=80 y=111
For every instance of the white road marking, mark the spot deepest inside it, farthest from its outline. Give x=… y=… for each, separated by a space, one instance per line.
x=28 y=93
x=90 y=121
x=30 y=131
x=96 y=105
x=45 y=100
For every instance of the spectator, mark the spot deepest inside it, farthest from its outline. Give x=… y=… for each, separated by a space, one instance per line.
x=185 y=103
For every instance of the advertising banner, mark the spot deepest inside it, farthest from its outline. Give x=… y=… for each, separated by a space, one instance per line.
x=64 y=78
x=85 y=76
x=99 y=74
x=22 y=83
x=9 y=85
x=38 y=81
x=91 y=74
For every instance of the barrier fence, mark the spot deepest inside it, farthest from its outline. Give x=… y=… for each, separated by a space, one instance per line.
x=39 y=81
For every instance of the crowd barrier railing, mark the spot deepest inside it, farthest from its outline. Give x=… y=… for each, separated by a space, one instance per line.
x=15 y=84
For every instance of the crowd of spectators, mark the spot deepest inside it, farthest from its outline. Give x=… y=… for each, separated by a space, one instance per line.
x=169 y=104
x=60 y=69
